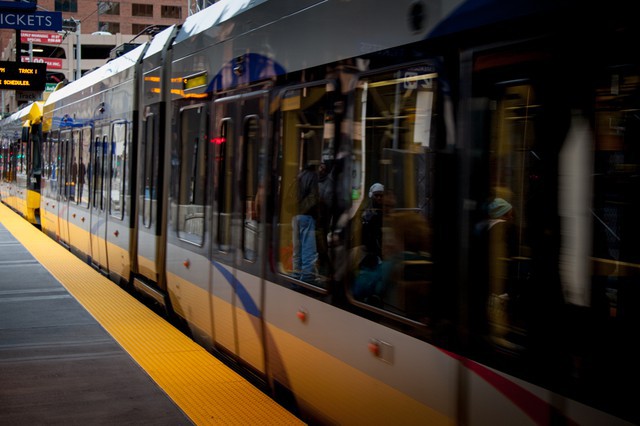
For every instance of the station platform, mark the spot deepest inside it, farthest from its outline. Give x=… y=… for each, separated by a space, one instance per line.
x=76 y=349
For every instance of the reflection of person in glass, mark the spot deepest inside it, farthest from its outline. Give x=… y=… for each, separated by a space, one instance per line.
x=498 y=230
x=372 y=226
x=305 y=253
x=325 y=214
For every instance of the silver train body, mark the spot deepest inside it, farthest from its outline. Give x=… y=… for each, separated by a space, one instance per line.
x=169 y=170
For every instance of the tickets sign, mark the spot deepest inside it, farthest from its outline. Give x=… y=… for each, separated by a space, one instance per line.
x=35 y=21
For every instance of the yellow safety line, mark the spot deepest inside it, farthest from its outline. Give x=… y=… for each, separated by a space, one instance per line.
x=202 y=386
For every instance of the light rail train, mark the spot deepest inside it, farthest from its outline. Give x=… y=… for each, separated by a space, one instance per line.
x=467 y=252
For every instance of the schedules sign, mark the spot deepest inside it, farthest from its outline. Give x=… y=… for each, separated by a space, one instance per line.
x=21 y=76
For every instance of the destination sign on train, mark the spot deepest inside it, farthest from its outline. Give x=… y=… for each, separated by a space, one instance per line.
x=21 y=76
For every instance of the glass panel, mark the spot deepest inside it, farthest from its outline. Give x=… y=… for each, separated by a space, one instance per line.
x=85 y=159
x=251 y=180
x=391 y=259
x=307 y=139
x=149 y=171
x=63 y=159
x=192 y=193
x=118 y=168
x=224 y=196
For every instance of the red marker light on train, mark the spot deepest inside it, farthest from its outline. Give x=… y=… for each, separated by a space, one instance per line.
x=302 y=315
x=218 y=141
x=374 y=347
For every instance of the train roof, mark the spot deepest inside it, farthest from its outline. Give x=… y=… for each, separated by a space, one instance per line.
x=159 y=41
x=111 y=68
x=217 y=15
x=476 y=14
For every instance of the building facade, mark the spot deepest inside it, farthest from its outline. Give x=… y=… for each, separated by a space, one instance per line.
x=97 y=31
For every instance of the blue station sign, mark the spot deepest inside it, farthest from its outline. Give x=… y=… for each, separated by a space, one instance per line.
x=34 y=21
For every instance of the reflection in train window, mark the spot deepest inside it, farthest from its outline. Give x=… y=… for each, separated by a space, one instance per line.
x=250 y=177
x=224 y=188
x=192 y=192
x=83 y=173
x=150 y=169
x=306 y=141
x=391 y=259
x=63 y=160
x=118 y=167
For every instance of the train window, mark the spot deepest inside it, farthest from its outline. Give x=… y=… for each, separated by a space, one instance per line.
x=391 y=259
x=98 y=167
x=223 y=147
x=192 y=189
x=36 y=148
x=22 y=148
x=75 y=161
x=118 y=169
x=46 y=169
x=149 y=171
x=84 y=159
x=250 y=177
x=307 y=131
x=554 y=256
x=63 y=159
x=52 y=153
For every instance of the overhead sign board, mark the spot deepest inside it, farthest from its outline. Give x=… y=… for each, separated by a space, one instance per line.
x=36 y=21
x=19 y=5
x=40 y=37
x=28 y=96
x=20 y=76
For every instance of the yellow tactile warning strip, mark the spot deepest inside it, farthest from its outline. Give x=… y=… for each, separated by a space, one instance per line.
x=202 y=386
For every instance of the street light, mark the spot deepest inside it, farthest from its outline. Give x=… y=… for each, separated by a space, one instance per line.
x=73 y=25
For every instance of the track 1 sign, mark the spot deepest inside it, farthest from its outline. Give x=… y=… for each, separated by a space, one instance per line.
x=21 y=76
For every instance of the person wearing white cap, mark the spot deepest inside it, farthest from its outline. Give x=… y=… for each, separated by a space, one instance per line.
x=372 y=226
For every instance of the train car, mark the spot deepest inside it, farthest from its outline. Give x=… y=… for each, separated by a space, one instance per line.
x=410 y=212
x=432 y=320
x=20 y=141
x=149 y=275
x=89 y=158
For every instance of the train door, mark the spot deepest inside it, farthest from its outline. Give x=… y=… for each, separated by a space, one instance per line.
x=555 y=258
x=49 y=218
x=118 y=232
x=150 y=256
x=238 y=141
x=64 y=155
x=78 y=194
x=99 y=185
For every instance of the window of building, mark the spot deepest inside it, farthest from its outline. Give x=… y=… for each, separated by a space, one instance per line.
x=66 y=5
x=171 y=12
x=109 y=8
x=138 y=9
x=110 y=27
